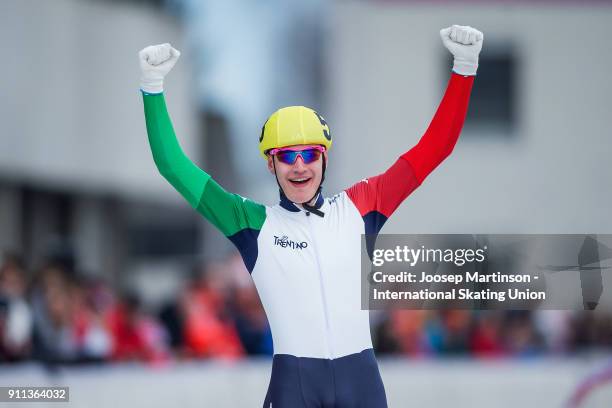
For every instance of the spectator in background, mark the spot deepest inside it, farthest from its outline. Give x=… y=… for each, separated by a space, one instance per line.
x=15 y=312
x=485 y=340
x=208 y=329
x=520 y=336
x=54 y=339
x=590 y=330
x=137 y=336
x=455 y=335
x=219 y=314
x=555 y=327
x=251 y=321
x=93 y=338
x=404 y=332
x=69 y=323
x=246 y=308
x=171 y=318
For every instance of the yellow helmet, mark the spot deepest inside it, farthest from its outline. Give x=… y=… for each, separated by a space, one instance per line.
x=294 y=125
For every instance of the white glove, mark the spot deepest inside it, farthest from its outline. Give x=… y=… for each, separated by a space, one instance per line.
x=465 y=43
x=155 y=62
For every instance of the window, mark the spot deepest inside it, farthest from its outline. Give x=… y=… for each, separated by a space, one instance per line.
x=492 y=109
x=161 y=231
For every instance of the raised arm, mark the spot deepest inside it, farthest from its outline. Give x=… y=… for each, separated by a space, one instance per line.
x=237 y=218
x=441 y=136
x=377 y=197
x=189 y=180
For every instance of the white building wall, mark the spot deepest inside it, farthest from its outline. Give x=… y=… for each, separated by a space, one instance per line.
x=71 y=108
x=554 y=176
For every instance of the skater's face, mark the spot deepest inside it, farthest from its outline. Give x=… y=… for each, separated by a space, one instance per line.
x=300 y=179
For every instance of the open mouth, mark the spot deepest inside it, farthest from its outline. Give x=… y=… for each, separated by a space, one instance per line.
x=300 y=181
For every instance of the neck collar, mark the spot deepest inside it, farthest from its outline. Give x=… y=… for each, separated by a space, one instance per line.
x=293 y=207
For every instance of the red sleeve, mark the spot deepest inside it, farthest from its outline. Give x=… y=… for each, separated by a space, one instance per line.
x=376 y=198
x=443 y=131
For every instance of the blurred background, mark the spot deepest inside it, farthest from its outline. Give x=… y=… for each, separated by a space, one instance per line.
x=112 y=285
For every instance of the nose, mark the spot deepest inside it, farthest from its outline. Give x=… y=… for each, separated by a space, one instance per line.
x=299 y=164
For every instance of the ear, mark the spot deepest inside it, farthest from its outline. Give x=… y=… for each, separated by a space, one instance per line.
x=270 y=164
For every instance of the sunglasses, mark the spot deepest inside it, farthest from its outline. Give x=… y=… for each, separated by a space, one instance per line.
x=309 y=155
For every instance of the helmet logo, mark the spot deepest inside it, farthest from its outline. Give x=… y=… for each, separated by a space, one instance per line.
x=263 y=128
x=325 y=126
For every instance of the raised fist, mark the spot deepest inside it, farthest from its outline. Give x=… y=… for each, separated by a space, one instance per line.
x=465 y=43
x=155 y=62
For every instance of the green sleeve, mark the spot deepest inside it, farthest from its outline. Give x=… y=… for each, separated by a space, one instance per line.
x=229 y=212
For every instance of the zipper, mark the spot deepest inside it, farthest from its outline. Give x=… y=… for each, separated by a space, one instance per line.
x=328 y=328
